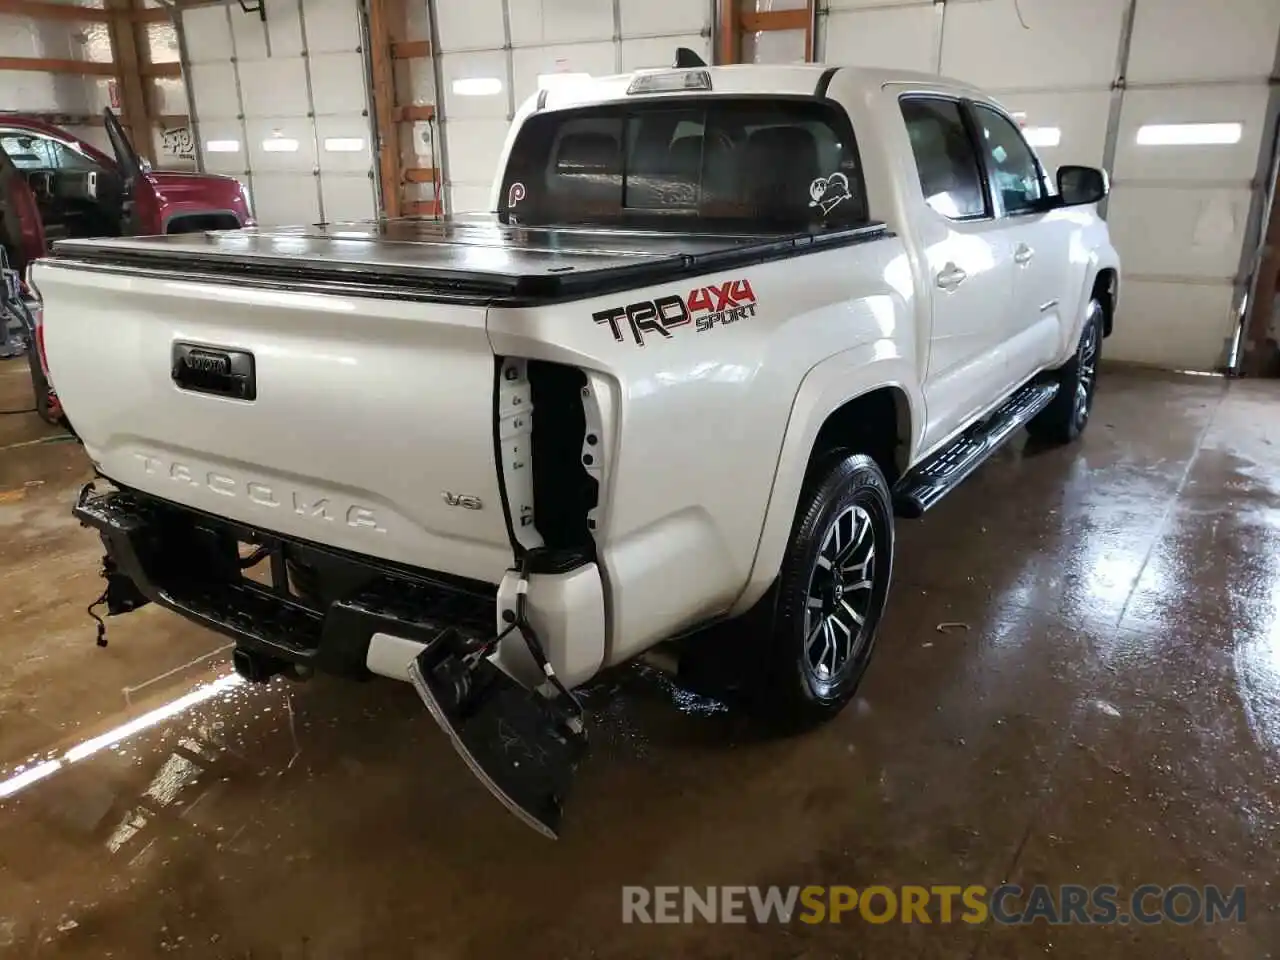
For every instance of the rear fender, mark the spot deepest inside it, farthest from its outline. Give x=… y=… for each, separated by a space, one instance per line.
x=827 y=387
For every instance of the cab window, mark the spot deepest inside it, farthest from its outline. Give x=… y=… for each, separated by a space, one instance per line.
x=32 y=151
x=741 y=163
x=1016 y=179
x=950 y=175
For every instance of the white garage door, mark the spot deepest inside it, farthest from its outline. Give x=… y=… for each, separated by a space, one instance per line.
x=1176 y=107
x=495 y=53
x=282 y=103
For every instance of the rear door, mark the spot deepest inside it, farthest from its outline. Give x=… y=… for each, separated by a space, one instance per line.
x=1040 y=242
x=968 y=264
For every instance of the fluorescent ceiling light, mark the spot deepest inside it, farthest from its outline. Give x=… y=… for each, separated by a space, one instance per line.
x=1042 y=136
x=222 y=146
x=1189 y=134
x=280 y=145
x=477 y=86
x=558 y=81
x=344 y=144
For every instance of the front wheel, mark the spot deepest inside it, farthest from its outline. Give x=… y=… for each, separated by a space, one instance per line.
x=1063 y=420
x=831 y=592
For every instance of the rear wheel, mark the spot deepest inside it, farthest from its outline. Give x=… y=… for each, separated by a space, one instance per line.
x=1067 y=416
x=830 y=594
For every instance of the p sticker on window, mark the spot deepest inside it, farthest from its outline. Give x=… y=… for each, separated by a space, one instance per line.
x=515 y=194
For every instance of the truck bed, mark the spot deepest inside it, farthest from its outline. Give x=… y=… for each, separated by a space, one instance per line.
x=473 y=258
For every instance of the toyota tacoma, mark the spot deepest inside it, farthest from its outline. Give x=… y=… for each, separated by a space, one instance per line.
x=721 y=327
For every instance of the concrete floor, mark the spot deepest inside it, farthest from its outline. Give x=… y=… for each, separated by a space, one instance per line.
x=1110 y=714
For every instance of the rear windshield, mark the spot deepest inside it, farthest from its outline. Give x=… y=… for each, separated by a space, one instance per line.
x=751 y=164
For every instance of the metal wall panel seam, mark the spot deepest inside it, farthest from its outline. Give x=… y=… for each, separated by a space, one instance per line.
x=617 y=36
x=438 y=128
x=184 y=60
x=244 y=125
x=370 y=109
x=511 y=66
x=311 y=104
x=1111 y=143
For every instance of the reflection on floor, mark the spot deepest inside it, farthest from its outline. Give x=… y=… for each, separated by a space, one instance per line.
x=1103 y=708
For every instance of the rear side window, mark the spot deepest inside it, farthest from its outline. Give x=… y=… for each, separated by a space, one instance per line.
x=750 y=163
x=945 y=159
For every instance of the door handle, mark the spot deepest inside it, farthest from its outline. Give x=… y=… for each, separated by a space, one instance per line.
x=1022 y=256
x=951 y=277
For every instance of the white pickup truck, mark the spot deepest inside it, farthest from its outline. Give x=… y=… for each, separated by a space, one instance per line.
x=721 y=327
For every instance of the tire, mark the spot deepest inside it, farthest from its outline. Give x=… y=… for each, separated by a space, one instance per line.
x=815 y=651
x=1066 y=417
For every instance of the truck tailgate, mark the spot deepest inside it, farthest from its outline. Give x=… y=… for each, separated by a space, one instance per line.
x=370 y=426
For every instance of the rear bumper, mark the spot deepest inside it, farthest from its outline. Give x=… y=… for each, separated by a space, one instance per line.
x=189 y=562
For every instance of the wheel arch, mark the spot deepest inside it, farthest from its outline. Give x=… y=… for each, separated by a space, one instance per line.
x=864 y=400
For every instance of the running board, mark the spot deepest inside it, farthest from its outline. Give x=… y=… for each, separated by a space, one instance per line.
x=927 y=483
x=521 y=745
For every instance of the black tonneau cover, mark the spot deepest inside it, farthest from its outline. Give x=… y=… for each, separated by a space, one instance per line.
x=469 y=258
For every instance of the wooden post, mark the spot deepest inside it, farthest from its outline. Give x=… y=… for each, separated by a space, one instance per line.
x=130 y=63
x=385 y=22
x=729 y=33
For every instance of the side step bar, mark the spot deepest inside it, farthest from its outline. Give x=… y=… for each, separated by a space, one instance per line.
x=930 y=481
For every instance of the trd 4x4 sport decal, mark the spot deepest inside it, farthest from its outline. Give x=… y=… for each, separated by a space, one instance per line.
x=704 y=307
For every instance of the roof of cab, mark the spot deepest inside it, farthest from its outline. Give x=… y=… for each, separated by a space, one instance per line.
x=745 y=79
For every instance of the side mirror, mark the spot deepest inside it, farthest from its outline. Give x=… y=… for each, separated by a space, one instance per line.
x=1081 y=185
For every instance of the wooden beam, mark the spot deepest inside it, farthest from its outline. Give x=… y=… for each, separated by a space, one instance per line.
x=729 y=33
x=130 y=57
x=410 y=49
x=95 y=119
x=415 y=112
x=160 y=69
x=811 y=18
x=421 y=175
x=382 y=15
x=50 y=65
x=775 y=20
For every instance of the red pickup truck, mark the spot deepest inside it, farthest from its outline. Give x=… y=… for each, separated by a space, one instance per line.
x=54 y=186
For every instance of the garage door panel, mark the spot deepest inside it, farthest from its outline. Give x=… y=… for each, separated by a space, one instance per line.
x=1194 y=40
x=250 y=36
x=281 y=145
x=552 y=21
x=338 y=83
x=1077 y=120
x=905 y=37
x=1177 y=325
x=208 y=34
x=284 y=28
x=227 y=138
x=332 y=26
x=347 y=197
x=647 y=18
x=1246 y=105
x=474 y=25
x=661 y=51
x=474 y=149
x=285 y=78
x=283 y=199
x=529 y=63
x=214 y=87
x=344 y=144
x=1068 y=44
x=487 y=65
x=1179 y=232
x=467 y=198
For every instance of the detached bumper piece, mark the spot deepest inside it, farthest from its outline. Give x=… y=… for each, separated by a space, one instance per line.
x=192 y=563
x=523 y=746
